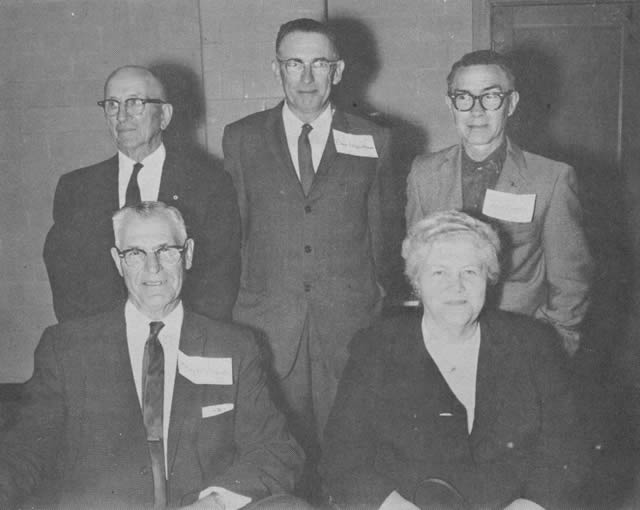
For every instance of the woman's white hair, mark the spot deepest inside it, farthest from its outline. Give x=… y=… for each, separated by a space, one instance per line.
x=424 y=233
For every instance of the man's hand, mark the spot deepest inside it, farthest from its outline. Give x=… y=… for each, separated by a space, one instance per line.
x=211 y=502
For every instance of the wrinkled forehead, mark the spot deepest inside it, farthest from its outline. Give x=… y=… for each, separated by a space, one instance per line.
x=133 y=82
x=480 y=78
x=306 y=44
x=149 y=231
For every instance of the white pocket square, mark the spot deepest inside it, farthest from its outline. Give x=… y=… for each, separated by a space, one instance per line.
x=215 y=410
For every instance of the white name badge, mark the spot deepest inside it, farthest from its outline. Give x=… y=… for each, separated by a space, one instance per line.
x=201 y=370
x=215 y=410
x=355 y=145
x=509 y=206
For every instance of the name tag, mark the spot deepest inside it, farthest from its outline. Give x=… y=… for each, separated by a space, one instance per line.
x=200 y=370
x=215 y=410
x=509 y=206
x=355 y=145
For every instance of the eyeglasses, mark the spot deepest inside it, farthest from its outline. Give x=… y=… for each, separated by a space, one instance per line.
x=295 y=66
x=136 y=257
x=490 y=101
x=133 y=105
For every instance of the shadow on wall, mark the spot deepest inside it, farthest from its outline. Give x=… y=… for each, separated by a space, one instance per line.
x=186 y=93
x=602 y=402
x=360 y=52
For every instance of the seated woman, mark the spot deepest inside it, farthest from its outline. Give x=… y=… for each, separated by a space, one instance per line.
x=460 y=407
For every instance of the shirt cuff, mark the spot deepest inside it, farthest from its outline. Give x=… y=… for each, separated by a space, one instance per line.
x=231 y=500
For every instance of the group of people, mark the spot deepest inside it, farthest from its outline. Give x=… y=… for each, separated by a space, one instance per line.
x=220 y=340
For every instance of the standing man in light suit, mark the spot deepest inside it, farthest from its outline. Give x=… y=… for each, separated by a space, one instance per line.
x=310 y=180
x=531 y=200
x=149 y=403
x=83 y=279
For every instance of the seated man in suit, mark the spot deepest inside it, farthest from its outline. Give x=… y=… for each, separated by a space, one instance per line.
x=531 y=200
x=76 y=253
x=149 y=403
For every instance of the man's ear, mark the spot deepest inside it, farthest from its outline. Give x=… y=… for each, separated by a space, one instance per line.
x=167 y=113
x=275 y=67
x=337 y=74
x=188 y=254
x=513 y=99
x=117 y=260
x=448 y=102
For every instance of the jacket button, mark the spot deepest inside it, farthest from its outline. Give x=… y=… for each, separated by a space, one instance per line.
x=307 y=249
x=307 y=209
x=144 y=470
x=307 y=287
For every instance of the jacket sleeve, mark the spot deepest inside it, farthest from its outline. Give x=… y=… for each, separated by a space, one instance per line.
x=349 y=450
x=567 y=259
x=215 y=276
x=83 y=278
x=28 y=450
x=413 y=209
x=561 y=460
x=268 y=459
x=378 y=209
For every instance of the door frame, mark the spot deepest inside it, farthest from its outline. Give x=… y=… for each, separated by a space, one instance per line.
x=481 y=16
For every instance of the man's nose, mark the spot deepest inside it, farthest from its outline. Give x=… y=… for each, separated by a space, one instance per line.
x=307 y=74
x=477 y=106
x=152 y=263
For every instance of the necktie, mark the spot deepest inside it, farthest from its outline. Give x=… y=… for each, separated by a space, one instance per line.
x=305 y=163
x=133 y=190
x=152 y=410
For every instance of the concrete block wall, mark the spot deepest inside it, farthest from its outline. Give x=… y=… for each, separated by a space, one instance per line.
x=54 y=56
x=216 y=56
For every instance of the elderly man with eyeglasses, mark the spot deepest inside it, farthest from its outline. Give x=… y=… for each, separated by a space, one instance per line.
x=311 y=180
x=83 y=279
x=149 y=404
x=531 y=200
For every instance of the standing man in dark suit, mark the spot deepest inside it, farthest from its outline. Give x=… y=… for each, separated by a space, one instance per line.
x=76 y=253
x=310 y=180
x=531 y=200
x=149 y=402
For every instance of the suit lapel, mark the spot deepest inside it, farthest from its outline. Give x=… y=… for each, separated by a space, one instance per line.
x=329 y=155
x=172 y=182
x=514 y=171
x=277 y=143
x=185 y=393
x=448 y=194
x=107 y=189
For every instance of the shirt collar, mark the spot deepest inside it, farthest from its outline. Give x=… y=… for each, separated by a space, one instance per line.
x=153 y=160
x=138 y=322
x=320 y=123
x=497 y=157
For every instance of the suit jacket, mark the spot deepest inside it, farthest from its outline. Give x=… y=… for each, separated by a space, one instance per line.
x=80 y=433
x=546 y=265
x=396 y=422
x=318 y=256
x=84 y=279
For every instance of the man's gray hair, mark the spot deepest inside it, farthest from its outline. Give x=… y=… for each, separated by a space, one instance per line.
x=147 y=210
x=438 y=225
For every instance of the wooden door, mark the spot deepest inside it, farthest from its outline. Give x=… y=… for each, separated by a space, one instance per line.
x=578 y=72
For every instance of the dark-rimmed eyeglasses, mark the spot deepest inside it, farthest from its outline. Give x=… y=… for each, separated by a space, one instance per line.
x=137 y=257
x=490 y=101
x=295 y=66
x=132 y=105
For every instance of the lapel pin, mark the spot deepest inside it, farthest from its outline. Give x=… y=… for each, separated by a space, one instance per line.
x=175 y=197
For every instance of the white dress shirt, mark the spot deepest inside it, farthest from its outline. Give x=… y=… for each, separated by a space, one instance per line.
x=318 y=136
x=137 y=325
x=169 y=337
x=148 y=178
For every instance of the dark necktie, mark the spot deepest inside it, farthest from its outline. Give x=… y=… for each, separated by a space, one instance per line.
x=152 y=410
x=305 y=162
x=133 y=190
